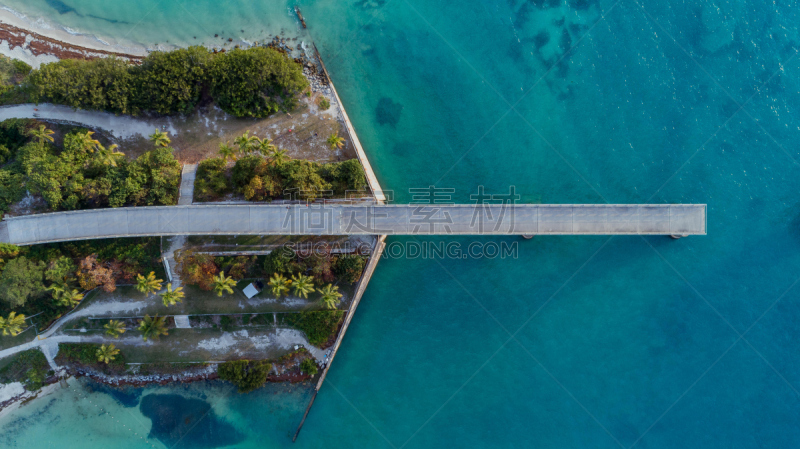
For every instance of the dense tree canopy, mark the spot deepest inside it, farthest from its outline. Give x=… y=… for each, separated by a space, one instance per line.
x=21 y=279
x=171 y=82
x=104 y=83
x=255 y=82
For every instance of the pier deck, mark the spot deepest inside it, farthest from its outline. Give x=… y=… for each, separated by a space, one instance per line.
x=370 y=219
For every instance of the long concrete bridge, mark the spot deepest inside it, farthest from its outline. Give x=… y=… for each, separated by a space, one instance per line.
x=352 y=219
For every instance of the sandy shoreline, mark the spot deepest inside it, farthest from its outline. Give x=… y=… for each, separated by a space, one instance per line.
x=35 y=48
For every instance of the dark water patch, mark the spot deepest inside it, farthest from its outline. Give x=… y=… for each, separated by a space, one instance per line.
x=125 y=396
x=566 y=40
x=388 y=112
x=107 y=19
x=61 y=7
x=181 y=422
x=541 y=39
x=580 y=5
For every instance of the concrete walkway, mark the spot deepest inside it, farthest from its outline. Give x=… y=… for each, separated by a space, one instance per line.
x=187 y=184
x=340 y=219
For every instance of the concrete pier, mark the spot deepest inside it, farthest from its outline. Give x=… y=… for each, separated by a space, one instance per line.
x=358 y=219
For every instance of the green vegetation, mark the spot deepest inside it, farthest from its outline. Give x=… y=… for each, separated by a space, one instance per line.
x=349 y=267
x=153 y=327
x=261 y=178
x=309 y=367
x=29 y=367
x=105 y=358
x=323 y=104
x=279 y=285
x=106 y=354
x=114 y=328
x=319 y=327
x=13 y=324
x=246 y=83
x=20 y=280
x=148 y=284
x=302 y=285
x=247 y=375
x=12 y=72
x=210 y=181
x=172 y=297
x=330 y=296
x=279 y=260
x=51 y=278
x=79 y=172
x=255 y=82
x=334 y=141
x=223 y=284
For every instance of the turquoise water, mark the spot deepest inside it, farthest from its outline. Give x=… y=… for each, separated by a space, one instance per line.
x=581 y=341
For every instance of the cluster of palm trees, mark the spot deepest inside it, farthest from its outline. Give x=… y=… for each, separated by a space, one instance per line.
x=150 y=327
x=248 y=144
x=149 y=284
x=106 y=156
x=13 y=324
x=302 y=286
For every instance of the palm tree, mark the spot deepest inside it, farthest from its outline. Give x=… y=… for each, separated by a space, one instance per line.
x=153 y=327
x=303 y=285
x=265 y=146
x=226 y=151
x=223 y=283
x=115 y=328
x=330 y=296
x=108 y=156
x=334 y=141
x=70 y=298
x=42 y=134
x=160 y=139
x=57 y=291
x=246 y=142
x=278 y=157
x=172 y=297
x=13 y=324
x=106 y=354
x=279 y=284
x=148 y=284
x=88 y=142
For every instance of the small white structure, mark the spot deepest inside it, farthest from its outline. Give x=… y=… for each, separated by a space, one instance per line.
x=253 y=289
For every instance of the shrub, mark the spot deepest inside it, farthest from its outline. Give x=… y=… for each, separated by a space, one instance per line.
x=247 y=375
x=171 y=82
x=210 y=181
x=102 y=83
x=198 y=269
x=279 y=260
x=324 y=104
x=309 y=366
x=349 y=267
x=29 y=367
x=21 y=279
x=319 y=326
x=255 y=82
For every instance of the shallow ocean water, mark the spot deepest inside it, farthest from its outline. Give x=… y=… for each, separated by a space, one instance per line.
x=580 y=341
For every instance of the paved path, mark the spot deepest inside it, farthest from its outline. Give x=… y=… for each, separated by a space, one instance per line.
x=187 y=184
x=359 y=219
